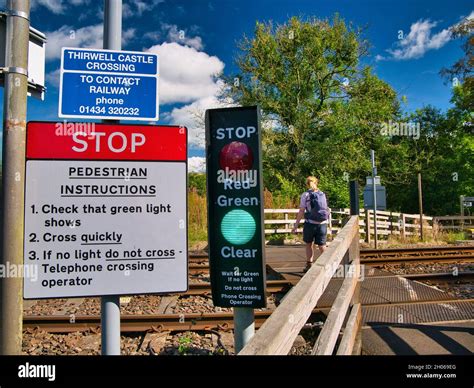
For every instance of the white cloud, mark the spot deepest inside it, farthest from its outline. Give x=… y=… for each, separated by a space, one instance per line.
x=379 y=57
x=67 y=36
x=189 y=76
x=152 y=35
x=79 y=2
x=127 y=11
x=57 y=7
x=196 y=164
x=181 y=36
x=52 y=78
x=172 y=33
x=89 y=36
x=418 y=41
x=468 y=17
x=131 y=8
x=186 y=75
x=128 y=35
x=138 y=7
x=192 y=117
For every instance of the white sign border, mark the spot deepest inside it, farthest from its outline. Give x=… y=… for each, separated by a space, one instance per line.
x=105 y=160
x=89 y=117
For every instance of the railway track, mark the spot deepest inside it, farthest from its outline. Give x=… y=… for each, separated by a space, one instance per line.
x=417 y=251
x=224 y=320
x=172 y=322
x=441 y=254
x=140 y=323
x=448 y=277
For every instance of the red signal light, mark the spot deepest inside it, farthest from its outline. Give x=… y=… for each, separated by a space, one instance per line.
x=236 y=156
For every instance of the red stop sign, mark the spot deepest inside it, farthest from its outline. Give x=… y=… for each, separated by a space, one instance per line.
x=236 y=156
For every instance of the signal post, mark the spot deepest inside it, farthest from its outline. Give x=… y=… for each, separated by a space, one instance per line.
x=235 y=215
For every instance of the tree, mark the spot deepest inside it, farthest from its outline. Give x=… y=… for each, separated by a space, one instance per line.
x=321 y=110
x=463 y=68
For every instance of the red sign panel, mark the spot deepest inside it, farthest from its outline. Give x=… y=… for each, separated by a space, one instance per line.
x=93 y=141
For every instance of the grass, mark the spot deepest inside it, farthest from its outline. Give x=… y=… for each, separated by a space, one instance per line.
x=452 y=237
x=197 y=218
x=430 y=238
x=183 y=344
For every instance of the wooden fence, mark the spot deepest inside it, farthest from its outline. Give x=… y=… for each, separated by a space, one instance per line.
x=388 y=223
x=278 y=333
x=455 y=222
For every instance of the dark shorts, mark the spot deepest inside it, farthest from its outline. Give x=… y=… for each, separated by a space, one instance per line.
x=315 y=232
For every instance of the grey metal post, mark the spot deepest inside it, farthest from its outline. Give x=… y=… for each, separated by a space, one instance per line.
x=14 y=136
x=374 y=189
x=244 y=327
x=110 y=305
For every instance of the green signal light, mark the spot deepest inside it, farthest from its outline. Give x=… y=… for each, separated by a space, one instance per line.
x=238 y=227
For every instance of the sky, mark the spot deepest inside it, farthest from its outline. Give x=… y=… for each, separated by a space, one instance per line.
x=196 y=41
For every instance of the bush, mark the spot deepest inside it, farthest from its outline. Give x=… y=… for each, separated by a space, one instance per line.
x=452 y=237
x=197 y=182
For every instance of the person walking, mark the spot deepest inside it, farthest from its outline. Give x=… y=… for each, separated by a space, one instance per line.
x=314 y=208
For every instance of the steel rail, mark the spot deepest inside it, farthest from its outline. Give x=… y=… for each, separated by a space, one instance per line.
x=175 y=322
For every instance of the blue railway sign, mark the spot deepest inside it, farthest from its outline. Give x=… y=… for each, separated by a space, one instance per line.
x=106 y=84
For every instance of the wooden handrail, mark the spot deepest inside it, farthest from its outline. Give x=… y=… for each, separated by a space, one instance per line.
x=328 y=337
x=277 y=334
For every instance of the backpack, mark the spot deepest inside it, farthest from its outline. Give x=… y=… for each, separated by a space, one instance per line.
x=319 y=206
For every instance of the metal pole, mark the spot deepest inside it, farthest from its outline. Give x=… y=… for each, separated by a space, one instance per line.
x=420 y=203
x=244 y=327
x=13 y=177
x=461 y=199
x=374 y=190
x=112 y=24
x=110 y=305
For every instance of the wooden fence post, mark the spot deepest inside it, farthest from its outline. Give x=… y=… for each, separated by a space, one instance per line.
x=367 y=226
x=402 y=231
x=391 y=223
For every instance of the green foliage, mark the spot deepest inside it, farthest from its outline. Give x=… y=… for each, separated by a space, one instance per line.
x=452 y=237
x=336 y=189
x=444 y=155
x=197 y=217
x=288 y=190
x=183 y=344
x=323 y=113
x=321 y=110
x=462 y=71
x=197 y=181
